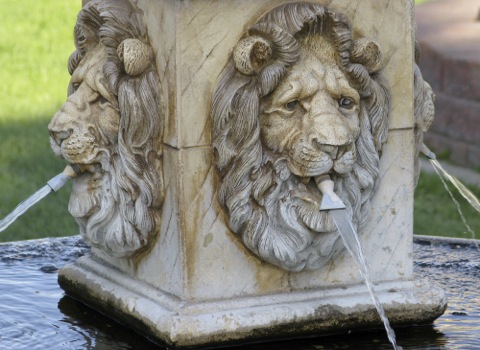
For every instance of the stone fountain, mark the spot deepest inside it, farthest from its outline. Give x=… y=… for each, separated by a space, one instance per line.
x=203 y=129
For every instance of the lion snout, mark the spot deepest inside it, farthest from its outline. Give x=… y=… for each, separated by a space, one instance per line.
x=329 y=132
x=334 y=151
x=58 y=136
x=331 y=150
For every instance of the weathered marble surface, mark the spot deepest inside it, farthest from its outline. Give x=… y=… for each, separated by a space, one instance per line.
x=182 y=323
x=198 y=280
x=193 y=47
x=201 y=252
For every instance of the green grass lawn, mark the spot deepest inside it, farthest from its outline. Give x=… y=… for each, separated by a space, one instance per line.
x=436 y=214
x=35 y=42
x=36 y=38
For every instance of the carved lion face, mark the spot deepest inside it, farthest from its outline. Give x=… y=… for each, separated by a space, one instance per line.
x=312 y=117
x=85 y=128
x=84 y=131
x=111 y=126
x=300 y=99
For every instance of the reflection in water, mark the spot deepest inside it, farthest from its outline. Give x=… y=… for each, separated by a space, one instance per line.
x=35 y=314
x=98 y=331
x=426 y=337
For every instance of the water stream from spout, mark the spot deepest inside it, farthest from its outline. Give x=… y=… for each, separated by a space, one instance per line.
x=338 y=212
x=462 y=189
x=24 y=206
x=352 y=243
x=53 y=185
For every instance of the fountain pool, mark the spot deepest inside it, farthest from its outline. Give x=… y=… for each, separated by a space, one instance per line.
x=36 y=314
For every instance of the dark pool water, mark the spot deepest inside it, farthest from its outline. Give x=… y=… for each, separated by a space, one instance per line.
x=36 y=314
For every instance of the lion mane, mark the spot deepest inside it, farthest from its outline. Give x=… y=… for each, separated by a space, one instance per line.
x=256 y=185
x=121 y=216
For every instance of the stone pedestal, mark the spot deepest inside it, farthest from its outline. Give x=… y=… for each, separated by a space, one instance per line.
x=198 y=284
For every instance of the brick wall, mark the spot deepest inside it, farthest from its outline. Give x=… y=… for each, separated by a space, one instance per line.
x=456 y=129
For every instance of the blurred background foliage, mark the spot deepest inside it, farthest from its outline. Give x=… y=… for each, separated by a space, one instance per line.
x=36 y=39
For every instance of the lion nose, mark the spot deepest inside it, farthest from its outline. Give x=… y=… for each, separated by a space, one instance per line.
x=59 y=136
x=331 y=150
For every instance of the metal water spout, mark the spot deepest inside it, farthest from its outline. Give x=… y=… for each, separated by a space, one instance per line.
x=426 y=151
x=71 y=171
x=330 y=200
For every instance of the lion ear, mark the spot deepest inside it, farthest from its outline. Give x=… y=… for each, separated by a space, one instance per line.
x=251 y=54
x=135 y=55
x=367 y=53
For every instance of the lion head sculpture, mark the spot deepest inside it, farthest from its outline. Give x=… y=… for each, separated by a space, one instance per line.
x=111 y=127
x=301 y=99
x=424 y=112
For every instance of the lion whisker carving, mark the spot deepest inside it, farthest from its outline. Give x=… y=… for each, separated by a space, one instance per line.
x=300 y=98
x=111 y=126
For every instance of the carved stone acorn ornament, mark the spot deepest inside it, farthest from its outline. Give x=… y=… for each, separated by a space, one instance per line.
x=367 y=53
x=250 y=54
x=135 y=55
x=301 y=99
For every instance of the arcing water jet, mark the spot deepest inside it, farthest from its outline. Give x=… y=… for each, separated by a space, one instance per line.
x=53 y=185
x=337 y=209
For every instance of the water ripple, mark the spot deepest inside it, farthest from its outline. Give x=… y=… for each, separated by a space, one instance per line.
x=35 y=313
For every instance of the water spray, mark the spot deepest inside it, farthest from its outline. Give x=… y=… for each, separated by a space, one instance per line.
x=338 y=213
x=53 y=185
x=462 y=189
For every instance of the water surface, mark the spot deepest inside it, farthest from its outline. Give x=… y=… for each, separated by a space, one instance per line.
x=35 y=313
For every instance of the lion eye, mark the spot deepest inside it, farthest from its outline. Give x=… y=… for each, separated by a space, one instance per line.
x=97 y=98
x=292 y=105
x=102 y=100
x=75 y=86
x=346 y=102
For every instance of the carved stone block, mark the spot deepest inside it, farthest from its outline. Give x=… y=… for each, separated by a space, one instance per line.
x=204 y=274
